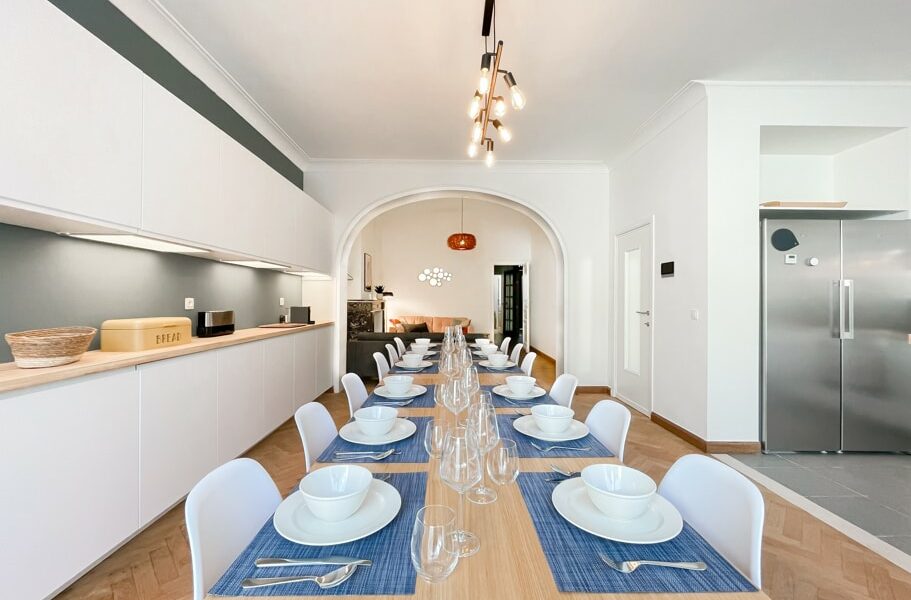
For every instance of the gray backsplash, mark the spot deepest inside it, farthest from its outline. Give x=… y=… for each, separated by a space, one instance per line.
x=47 y=280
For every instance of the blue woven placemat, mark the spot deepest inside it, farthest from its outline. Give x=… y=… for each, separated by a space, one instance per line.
x=433 y=369
x=389 y=549
x=425 y=400
x=411 y=449
x=501 y=402
x=573 y=555
x=525 y=449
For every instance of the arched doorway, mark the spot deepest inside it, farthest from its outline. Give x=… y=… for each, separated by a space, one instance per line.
x=369 y=213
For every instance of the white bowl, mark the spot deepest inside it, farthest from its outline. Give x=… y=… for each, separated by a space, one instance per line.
x=335 y=493
x=398 y=384
x=375 y=421
x=497 y=359
x=520 y=385
x=618 y=491
x=552 y=418
x=491 y=349
x=422 y=341
x=422 y=348
x=413 y=359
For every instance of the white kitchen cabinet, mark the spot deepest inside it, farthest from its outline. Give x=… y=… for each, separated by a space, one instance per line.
x=281 y=202
x=278 y=380
x=324 y=354
x=240 y=399
x=305 y=348
x=71 y=134
x=181 y=172
x=178 y=421
x=314 y=248
x=247 y=185
x=70 y=478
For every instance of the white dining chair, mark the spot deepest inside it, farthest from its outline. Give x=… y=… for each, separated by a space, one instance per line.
x=504 y=347
x=355 y=390
x=528 y=362
x=400 y=345
x=563 y=389
x=224 y=512
x=609 y=422
x=382 y=367
x=725 y=508
x=393 y=355
x=516 y=353
x=316 y=428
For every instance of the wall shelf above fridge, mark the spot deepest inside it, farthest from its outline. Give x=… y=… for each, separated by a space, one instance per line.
x=804 y=212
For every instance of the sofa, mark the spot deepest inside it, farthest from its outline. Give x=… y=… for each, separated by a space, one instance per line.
x=362 y=346
x=434 y=324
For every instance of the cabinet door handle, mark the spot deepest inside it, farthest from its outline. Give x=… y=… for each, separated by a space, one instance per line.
x=643 y=312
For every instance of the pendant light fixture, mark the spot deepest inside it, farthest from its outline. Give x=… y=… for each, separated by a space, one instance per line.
x=486 y=108
x=462 y=240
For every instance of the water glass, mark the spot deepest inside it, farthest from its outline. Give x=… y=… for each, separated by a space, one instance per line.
x=485 y=398
x=503 y=462
x=460 y=469
x=434 y=551
x=434 y=435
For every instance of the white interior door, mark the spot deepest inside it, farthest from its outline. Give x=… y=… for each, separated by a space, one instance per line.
x=634 y=317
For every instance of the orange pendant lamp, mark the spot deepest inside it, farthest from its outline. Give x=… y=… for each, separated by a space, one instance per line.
x=462 y=240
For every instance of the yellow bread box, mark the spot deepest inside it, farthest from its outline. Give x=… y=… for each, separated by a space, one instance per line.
x=130 y=335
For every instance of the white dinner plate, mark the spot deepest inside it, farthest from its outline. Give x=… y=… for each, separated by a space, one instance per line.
x=503 y=390
x=486 y=363
x=428 y=353
x=294 y=521
x=660 y=523
x=403 y=428
x=424 y=364
x=526 y=425
x=414 y=392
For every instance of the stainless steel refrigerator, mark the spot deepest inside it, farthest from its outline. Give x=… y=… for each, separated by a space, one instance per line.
x=836 y=321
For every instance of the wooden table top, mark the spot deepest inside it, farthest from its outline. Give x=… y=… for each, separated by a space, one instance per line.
x=511 y=563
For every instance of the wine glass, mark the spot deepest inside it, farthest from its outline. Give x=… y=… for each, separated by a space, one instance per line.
x=434 y=435
x=449 y=365
x=483 y=434
x=470 y=380
x=503 y=462
x=460 y=469
x=455 y=397
x=434 y=549
x=484 y=397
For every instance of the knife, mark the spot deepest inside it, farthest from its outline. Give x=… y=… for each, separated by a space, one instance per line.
x=302 y=562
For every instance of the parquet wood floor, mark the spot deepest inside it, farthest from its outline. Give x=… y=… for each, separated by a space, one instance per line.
x=803 y=558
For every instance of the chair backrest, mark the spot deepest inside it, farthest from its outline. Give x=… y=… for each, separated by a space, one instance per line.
x=400 y=345
x=355 y=390
x=224 y=512
x=504 y=347
x=723 y=506
x=316 y=428
x=382 y=367
x=393 y=355
x=516 y=353
x=528 y=362
x=609 y=422
x=563 y=389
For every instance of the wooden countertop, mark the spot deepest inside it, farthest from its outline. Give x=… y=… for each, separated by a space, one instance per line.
x=96 y=361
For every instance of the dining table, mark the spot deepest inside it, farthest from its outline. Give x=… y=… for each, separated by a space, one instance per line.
x=511 y=562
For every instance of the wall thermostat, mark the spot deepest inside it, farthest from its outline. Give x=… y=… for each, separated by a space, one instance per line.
x=790 y=259
x=667 y=269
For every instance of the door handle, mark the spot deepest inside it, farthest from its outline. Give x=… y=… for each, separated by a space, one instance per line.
x=848 y=332
x=643 y=312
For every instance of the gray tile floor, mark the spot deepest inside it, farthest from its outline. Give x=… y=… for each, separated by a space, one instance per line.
x=873 y=491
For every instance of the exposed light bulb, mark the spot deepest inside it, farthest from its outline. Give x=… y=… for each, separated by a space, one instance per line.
x=484 y=80
x=474 y=109
x=489 y=159
x=505 y=134
x=476 y=132
x=515 y=94
x=499 y=106
x=472 y=150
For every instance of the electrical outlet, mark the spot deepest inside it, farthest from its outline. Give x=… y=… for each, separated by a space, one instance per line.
x=189 y=303
x=281 y=301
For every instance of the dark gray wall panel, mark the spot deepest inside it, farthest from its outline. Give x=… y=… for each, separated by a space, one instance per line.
x=47 y=280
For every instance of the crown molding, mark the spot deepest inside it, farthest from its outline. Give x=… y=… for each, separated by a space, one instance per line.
x=708 y=83
x=502 y=166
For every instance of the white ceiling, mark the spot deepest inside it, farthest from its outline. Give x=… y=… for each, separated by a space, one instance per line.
x=784 y=139
x=392 y=79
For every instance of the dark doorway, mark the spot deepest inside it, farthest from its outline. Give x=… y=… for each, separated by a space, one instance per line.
x=508 y=320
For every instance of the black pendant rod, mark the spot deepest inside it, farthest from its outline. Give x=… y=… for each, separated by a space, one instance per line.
x=488 y=17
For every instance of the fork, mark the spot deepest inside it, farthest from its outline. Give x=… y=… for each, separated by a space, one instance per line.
x=375 y=457
x=628 y=566
x=562 y=474
x=394 y=403
x=549 y=448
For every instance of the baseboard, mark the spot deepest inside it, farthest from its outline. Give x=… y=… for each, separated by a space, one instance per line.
x=709 y=447
x=542 y=354
x=594 y=389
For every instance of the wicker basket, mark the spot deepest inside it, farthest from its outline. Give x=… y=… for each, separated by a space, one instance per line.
x=49 y=347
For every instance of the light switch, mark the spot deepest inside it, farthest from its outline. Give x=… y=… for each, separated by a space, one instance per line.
x=189 y=303
x=790 y=259
x=694 y=314
x=281 y=301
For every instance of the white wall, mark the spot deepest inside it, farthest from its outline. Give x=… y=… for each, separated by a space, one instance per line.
x=370 y=243
x=320 y=297
x=736 y=113
x=411 y=238
x=571 y=198
x=874 y=174
x=790 y=177
x=663 y=178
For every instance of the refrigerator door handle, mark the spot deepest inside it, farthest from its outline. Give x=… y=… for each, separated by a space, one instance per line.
x=838 y=315
x=847 y=330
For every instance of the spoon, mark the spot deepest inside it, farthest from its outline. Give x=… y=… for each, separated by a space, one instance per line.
x=329 y=580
